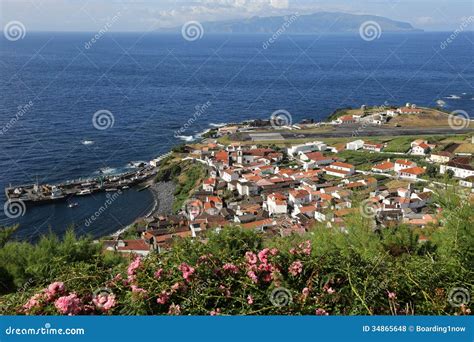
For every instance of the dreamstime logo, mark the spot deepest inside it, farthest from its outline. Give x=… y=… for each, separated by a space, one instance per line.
x=14 y=30
x=22 y=110
x=193 y=208
x=280 y=118
x=464 y=24
x=199 y=110
x=101 y=296
x=281 y=296
x=108 y=202
x=280 y=31
x=102 y=31
x=14 y=208
x=458 y=296
x=367 y=209
x=370 y=30
x=192 y=30
x=103 y=119
x=458 y=119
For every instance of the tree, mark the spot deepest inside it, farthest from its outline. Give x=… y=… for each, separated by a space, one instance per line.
x=6 y=233
x=450 y=173
x=431 y=171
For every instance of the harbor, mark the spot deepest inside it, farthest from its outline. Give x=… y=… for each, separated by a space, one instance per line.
x=36 y=194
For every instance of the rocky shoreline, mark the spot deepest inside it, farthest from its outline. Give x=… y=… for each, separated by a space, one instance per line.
x=163 y=193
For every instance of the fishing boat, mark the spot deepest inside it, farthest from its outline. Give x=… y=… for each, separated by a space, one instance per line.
x=73 y=204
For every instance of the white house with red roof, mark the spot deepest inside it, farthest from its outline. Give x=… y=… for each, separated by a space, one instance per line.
x=229 y=175
x=313 y=159
x=276 y=204
x=339 y=169
x=299 y=196
x=372 y=147
x=386 y=166
x=421 y=147
x=401 y=164
x=412 y=172
x=209 y=184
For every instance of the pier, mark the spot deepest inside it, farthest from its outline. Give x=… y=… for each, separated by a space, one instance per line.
x=32 y=194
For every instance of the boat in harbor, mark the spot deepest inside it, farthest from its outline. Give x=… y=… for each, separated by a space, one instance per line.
x=73 y=205
x=111 y=189
x=84 y=192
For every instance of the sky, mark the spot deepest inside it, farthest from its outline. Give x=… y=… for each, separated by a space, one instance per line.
x=146 y=15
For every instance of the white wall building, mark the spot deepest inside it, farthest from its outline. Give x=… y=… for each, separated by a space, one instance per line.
x=355 y=145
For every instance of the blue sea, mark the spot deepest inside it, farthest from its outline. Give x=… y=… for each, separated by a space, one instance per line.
x=153 y=84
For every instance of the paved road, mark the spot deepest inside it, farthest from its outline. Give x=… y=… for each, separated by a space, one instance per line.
x=360 y=131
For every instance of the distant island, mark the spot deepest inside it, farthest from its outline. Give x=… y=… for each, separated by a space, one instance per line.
x=321 y=22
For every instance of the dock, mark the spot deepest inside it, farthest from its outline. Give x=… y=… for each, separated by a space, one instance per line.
x=34 y=194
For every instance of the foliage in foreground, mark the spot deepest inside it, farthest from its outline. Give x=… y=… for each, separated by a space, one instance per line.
x=237 y=272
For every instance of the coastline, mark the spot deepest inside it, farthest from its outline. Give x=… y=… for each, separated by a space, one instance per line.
x=163 y=194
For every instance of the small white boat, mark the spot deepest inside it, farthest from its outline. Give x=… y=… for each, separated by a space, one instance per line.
x=73 y=204
x=110 y=189
x=84 y=192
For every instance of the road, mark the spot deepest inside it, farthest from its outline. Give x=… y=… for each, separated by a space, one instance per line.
x=355 y=131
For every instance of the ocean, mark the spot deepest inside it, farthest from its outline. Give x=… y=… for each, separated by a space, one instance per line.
x=158 y=90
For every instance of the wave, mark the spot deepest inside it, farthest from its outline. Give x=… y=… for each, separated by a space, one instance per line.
x=222 y=124
x=441 y=103
x=186 y=137
x=87 y=142
x=107 y=170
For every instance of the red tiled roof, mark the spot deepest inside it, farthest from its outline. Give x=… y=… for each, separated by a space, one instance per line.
x=414 y=170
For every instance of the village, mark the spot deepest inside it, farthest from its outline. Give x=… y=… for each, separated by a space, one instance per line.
x=288 y=189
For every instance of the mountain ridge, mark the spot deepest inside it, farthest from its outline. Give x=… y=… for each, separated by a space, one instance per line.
x=319 y=22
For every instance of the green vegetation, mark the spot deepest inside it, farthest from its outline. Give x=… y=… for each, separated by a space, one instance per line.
x=187 y=175
x=236 y=272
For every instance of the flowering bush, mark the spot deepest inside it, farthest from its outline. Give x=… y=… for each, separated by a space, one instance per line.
x=237 y=272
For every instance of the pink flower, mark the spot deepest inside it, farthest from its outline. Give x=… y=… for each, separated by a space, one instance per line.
x=175 y=287
x=321 y=312
x=253 y=276
x=187 y=271
x=134 y=265
x=68 y=305
x=251 y=258
x=296 y=268
x=163 y=298
x=391 y=295
x=204 y=258
x=104 y=302
x=305 y=247
x=56 y=288
x=305 y=292
x=273 y=251
x=137 y=289
x=159 y=273
x=263 y=255
x=330 y=290
x=215 y=312
x=34 y=302
x=249 y=299
x=174 y=310
x=231 y=268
